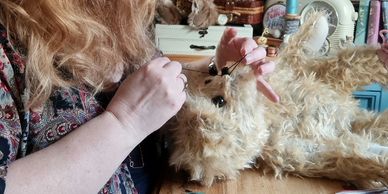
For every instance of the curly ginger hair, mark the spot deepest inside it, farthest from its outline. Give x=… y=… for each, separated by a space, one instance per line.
x=73 y=42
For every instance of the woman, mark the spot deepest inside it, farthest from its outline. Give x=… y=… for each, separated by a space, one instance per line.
x=59 y=60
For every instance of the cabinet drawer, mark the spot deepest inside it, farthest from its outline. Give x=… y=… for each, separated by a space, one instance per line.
x=187 y=46
x=177 y=39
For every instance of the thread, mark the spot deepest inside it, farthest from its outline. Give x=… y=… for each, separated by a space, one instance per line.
x=292 y=18
x=292 y=7
x=292 y=24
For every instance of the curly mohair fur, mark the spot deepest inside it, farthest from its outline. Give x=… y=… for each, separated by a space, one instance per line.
x=316 y=130
x=198 y=14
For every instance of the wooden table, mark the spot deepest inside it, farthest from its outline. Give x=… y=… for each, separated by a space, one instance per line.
x=250 y=182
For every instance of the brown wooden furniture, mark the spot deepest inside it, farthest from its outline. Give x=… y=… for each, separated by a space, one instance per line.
x=249 y=182
x=185 y=58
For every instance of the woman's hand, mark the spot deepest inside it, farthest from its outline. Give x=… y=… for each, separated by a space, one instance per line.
x=233 y=48
x=150 y=96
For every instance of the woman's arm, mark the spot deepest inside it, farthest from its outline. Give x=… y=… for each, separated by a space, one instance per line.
x=84 y=160
x=81 y=162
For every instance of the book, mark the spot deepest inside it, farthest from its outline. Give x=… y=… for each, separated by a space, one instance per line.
x=362 y=22
x=373 y=22
x=384 y=9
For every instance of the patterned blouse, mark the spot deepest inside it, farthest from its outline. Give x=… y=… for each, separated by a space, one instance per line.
x=23 y=132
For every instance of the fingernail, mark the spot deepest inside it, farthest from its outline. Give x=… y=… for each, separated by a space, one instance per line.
x=260 y=70
x=243 y=52
x=277 y=99
x=248 y=58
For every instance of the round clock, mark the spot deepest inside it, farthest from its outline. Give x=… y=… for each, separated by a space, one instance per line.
x=332 y=15
x=325 y=49
x=341 y=18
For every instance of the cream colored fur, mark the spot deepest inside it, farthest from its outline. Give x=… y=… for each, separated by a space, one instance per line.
x=198 y=14
x=316 y=130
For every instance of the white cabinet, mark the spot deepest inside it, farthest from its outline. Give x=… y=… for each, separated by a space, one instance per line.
x=183 y=40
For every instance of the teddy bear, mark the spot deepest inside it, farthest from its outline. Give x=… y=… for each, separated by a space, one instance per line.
x=316 y=130
x=198 y=14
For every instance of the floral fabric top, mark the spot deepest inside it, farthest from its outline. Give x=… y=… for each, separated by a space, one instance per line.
x=23 y=132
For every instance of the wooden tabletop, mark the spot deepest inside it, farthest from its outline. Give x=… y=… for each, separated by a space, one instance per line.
x=249 y=182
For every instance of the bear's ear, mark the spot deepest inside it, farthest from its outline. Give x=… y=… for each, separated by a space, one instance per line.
x=203 y=14
x=167 y=12
x=311 y=35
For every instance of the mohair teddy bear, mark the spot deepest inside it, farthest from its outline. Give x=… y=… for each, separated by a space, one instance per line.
x=316 y=130
x=198 y=14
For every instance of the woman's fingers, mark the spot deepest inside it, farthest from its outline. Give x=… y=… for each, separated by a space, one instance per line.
x=182 y=82
x=263 y=68
x=183 y=87
x=228 y=35
x=233 y=48
x=260 y=69
x=173 y=67
x=158 y=62
x=266 y=89
x=247 y=45
x=255 y=55
x=150 y=96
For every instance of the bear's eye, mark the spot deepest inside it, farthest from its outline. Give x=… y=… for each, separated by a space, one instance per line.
x=219 y=101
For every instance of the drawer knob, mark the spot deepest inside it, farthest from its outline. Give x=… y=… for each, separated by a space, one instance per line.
x=197 y=47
